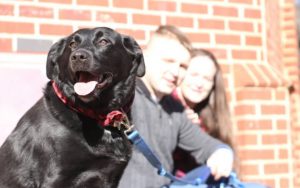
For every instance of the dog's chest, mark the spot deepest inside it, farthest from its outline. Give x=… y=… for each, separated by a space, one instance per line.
x=105 y=141
x=94 y=158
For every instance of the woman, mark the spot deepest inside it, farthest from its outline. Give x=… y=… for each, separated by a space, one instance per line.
x=202 y=93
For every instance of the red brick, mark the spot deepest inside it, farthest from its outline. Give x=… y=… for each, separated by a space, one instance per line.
x=49 y=29
x=242 y=76
x=253 y=41
x=269 y=182
x=283 y=154
x=290 y=53
x=272 y=80
x=219 y=53
x=5 y=45
x=6 y=10
x=37 y=12
x=198 y=37
x=276 y=168
x=93 y=2
x=241 y=26
x=280 y=95
x=146 y=19
x=180 y=21
x=252 y=13
x=284 y=182
x=241 y=1
x=274 y=139
x=291 y=62
x=227 y=39
x=259 y=2
x=260 y=76
x=243 y=140
x=249 y=169
x=288 y=9
x=75 y=14
x=256 y=154
x=16 y=27
x=273 y=109
x=281 y=124
x=291 y=35
x=225 y=68
x=162 y=5
x=254 y=125
x=289 y=26
x=244 y=54
x=289 y=18
x=293 y=72
x=254 y=94
x=57 y=1
x=244 y=109
x=194 y=8
x=291 y=44
x=211 y=24
x=137 y=34
x=105 y=16
x=225 y=11
x=136 y=4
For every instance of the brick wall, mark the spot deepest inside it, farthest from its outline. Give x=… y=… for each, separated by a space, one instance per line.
x=254 y=40
x=290 y=62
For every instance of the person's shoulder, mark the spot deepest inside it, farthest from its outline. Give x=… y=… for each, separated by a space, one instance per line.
x=141 y=87
x=142 y=94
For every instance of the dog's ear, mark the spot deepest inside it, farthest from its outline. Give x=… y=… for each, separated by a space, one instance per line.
x=134 y=49
x=55 y=51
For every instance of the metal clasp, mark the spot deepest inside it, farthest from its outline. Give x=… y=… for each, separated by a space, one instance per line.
x=128 y=128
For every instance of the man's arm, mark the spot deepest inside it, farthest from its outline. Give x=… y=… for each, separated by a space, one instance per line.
x=206 y=149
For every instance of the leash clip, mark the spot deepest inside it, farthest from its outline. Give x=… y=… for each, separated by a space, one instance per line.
x=128 y=128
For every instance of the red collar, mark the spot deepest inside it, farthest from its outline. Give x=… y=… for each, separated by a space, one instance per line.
x=102 y=119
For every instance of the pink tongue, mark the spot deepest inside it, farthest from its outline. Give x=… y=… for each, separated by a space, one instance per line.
x=85 y=88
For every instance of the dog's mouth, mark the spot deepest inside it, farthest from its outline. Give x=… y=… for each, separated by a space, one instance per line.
x=86 y=82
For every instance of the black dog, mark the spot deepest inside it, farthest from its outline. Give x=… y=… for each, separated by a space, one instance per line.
x=61 y=142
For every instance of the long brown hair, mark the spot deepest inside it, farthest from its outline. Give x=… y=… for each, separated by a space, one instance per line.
x=214 y=110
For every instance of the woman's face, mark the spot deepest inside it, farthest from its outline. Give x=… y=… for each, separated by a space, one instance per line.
x=199 y=79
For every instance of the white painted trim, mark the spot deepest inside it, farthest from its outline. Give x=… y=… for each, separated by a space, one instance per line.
x=24 y=60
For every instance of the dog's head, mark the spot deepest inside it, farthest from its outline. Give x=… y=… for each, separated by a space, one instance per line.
x=96 y=68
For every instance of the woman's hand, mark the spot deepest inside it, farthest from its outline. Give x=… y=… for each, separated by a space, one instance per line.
x=221 y=163
x=193 y=116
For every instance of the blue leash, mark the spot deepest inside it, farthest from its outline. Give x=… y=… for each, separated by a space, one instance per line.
x=141 y=145
x=196 y=177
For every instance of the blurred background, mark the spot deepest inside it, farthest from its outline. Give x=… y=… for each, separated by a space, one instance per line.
x=256 y=42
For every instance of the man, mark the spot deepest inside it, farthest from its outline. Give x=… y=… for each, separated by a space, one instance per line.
x=162 y=122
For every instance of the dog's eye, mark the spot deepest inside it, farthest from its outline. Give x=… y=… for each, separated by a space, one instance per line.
x=73 y=44
x=103 y=42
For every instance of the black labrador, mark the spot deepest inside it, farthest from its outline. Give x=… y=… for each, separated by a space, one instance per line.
x=62 y=141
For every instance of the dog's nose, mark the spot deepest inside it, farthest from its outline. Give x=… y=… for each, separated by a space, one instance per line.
x=79 y=56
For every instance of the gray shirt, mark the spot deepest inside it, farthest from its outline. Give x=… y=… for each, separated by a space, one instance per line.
x=164 y=126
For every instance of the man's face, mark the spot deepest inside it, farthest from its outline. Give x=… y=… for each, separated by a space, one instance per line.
x=164 y=59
